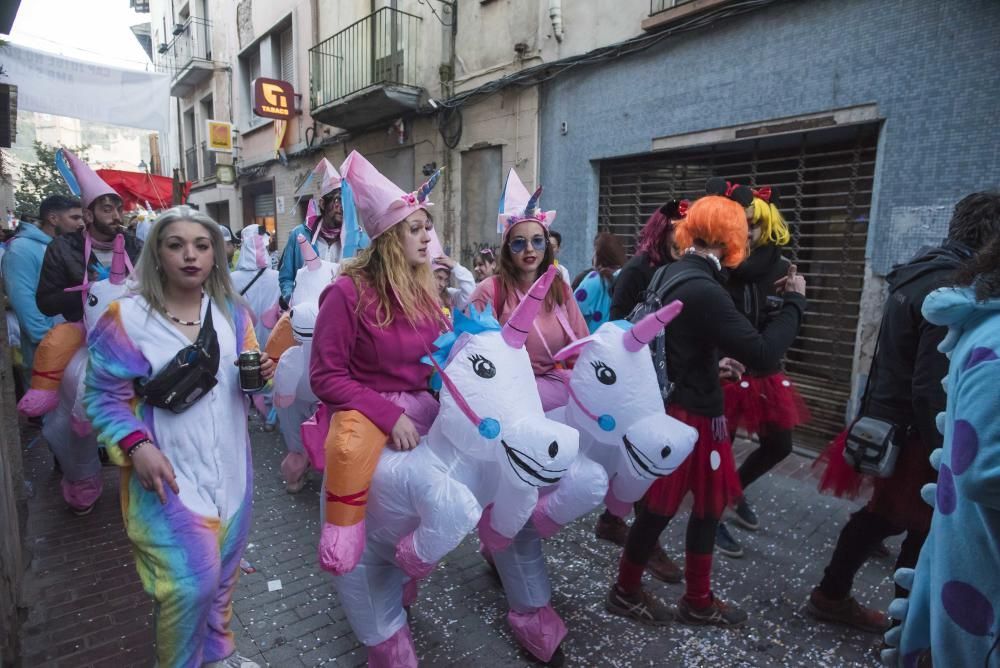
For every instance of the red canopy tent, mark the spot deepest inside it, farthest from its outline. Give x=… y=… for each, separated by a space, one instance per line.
x=137 y=188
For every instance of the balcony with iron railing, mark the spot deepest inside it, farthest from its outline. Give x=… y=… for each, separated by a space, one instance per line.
x=191 y=163
x=208 y=161
x=367 y=72
x=663 y=13
x=188 y=58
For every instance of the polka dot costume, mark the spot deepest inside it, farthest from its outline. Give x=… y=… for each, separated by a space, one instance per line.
x=952 y=613
x=593 y=296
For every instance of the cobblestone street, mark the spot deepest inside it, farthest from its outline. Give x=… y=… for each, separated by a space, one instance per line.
x=88 y=607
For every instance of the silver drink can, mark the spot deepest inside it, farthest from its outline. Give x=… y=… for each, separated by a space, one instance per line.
x=251 y=378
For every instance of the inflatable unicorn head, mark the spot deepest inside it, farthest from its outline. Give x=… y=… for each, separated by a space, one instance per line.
x=615 y=400
x=102 y=293
x=487 y=409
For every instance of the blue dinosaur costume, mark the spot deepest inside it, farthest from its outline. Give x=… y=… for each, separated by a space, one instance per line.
x=952 y=615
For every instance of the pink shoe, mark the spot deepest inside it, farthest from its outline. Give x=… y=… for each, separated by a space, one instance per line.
x=81 y=495
x=490 y=537
x=408 y=559
x=36 y=403
x=545 y=525
x=396 y=652
x=540 y=632
x=340 y=548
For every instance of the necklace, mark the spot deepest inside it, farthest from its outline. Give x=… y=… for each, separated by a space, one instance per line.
x=708 y=256
x=186 y=323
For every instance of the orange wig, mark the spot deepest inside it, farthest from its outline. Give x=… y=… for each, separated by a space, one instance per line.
x=716 y=221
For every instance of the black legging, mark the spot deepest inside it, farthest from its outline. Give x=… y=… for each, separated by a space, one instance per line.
x=775 y=445
x=858 y=539
x=644 y=535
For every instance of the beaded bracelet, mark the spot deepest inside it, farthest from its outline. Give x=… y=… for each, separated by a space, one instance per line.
x=135 y=446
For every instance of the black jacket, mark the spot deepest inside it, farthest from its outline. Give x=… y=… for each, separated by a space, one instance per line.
x=63 y=268
x=905 y=379
x=709 y=325
x=630 y=283
x=751 y=286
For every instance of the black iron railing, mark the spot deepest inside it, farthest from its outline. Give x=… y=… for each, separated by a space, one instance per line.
x=657 y=6
x=208 y=161
x=191 y=163
x=377 y=50
x=193 y=42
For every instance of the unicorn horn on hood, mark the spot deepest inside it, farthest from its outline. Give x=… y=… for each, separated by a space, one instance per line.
x=309 y=257
x=647 y=329
x=532 y=205
x=428 y=185
x=119 y=267
x=515 y=331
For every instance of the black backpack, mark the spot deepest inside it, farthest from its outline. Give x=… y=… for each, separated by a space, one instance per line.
x=653 y=299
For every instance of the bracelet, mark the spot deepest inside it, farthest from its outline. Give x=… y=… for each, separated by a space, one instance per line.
x=135 y=446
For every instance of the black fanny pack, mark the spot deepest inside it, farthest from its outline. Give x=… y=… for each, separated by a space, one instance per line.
x=189 y=376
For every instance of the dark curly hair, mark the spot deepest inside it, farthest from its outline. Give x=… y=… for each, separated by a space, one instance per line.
x=982 y=271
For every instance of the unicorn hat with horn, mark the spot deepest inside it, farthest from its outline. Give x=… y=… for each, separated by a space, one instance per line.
x=330 y=179
x=253 y=254
x=517 y=206
x=90 y=186
x=376 y=202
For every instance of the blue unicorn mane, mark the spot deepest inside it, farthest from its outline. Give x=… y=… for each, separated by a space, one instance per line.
x=476 y=322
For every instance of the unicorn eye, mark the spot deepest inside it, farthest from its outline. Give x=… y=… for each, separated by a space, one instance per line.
x=604 y=373
x=92 y=300
x=482 y=366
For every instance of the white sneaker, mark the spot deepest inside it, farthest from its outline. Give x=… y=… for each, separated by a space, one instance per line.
x=234 y=660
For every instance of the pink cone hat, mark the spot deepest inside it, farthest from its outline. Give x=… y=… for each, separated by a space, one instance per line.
x=309 y=257
x=435 y=249
x=119 y=266
x=646 y=329
x=517 y=206
x=92 y=186
x=330 y=178
x=515 y=331
x=380 y=203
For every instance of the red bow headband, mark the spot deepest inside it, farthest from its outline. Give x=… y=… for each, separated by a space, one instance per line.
x=764 y=193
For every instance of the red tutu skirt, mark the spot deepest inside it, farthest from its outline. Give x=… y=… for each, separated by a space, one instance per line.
x=897 y=497
x=709 y=472
x=759 y=403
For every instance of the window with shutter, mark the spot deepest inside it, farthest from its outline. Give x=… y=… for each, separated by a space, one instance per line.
x=287 y=65
x=264 y=211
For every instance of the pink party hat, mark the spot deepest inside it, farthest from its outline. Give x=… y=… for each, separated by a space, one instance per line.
x=517 y=206
x=435 y=249
x=92 y=186
x=330 y=178
x=380 y=203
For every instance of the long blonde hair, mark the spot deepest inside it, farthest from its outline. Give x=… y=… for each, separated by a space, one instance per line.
x=151 y=280
x=773 y=228
x=398 y=285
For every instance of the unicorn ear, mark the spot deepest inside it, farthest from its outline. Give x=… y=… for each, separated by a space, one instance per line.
x=574 y=348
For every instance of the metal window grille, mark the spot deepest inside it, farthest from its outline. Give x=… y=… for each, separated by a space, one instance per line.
x=825 y=180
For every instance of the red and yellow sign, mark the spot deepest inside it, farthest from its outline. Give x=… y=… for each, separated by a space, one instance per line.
x=220 y=136
x=273 y=98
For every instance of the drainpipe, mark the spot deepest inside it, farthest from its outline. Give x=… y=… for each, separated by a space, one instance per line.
x=555 y=13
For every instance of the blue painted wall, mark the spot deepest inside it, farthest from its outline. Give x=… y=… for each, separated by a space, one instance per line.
x=931 y=66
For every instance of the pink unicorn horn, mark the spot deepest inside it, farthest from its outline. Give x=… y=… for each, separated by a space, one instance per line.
x=309 y=257
x=118 y=272
x=515 y=332
x=646 y=329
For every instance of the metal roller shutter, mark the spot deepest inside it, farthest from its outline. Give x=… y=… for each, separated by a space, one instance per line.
x=825 y=179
